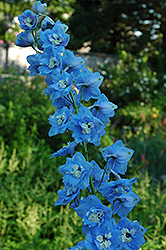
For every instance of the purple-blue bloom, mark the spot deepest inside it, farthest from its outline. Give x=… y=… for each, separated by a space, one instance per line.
x=25 y=39
x=76 y=171
x=28 y=20
x=86 y=127
x=131 y=234
x=118 y=156
x=59 y=121
x=39 y=8
x=103 y=109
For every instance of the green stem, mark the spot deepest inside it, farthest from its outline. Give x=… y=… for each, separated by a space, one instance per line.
x=74 y=103
x=86 y=150
x=90 y=177
x=91 y=185
x=103 y=175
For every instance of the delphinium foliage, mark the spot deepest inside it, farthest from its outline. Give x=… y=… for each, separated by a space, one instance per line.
x=83 y=111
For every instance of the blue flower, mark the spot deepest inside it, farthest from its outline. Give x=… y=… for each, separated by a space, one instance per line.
x=66 y=101
x=69 y=149
x=114 y=189
x=88 y=82
x=71 y=63
x=131 y=234
x=55 y=37
x=86 y=127
x=104 y=238
x=103 y=109
x=25 y=39
x=50 y=62
x=76 y=171
x=79 y=246
x=34 y=61
x=125 y=203
x=118 y=157
x=59 y=121
x=66 y=195
x=93 y=213
x=28 y=20
x=39 y=8
x=59 y=86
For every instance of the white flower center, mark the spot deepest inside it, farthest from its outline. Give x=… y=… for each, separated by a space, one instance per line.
x=55 y=40
x=126 y=233
x=62 y=84
x=104 y=242
x=60 y=119
x=87 y=127
x=77 y=171
x=29 y=22
x=96 y=216
x=52 y=63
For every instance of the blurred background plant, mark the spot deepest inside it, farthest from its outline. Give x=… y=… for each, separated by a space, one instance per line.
x=134 y=33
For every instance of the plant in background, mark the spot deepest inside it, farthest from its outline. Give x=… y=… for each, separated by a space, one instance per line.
x=71 y=86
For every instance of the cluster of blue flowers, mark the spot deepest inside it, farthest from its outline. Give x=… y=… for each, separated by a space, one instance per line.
x=70 y=86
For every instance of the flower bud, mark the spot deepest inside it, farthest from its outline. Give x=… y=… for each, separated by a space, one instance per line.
x=38 y=7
